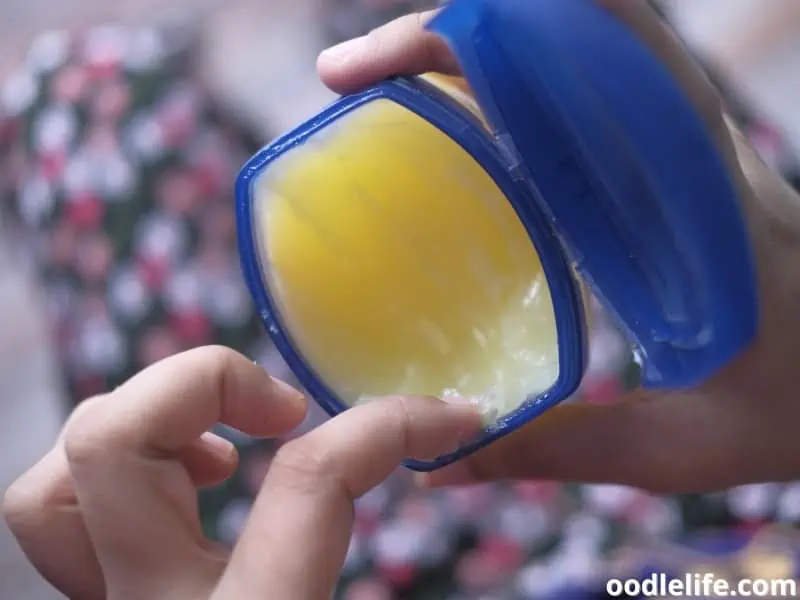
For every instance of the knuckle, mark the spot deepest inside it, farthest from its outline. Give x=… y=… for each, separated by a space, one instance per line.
x=376 y=40
x=400 y=410
x=17 y=505
x=86 y=406
x=304 y=465
x=26 y=504
x=85 y=436
x=216 y=362
x=406 y=416
x=216 y=354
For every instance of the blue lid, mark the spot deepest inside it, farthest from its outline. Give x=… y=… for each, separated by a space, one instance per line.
x=615 y=154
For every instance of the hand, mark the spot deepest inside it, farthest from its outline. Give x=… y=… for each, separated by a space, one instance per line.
x=110 y=512
x=739 y=427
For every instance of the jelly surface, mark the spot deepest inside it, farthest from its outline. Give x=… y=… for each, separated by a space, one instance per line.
x=399 y=267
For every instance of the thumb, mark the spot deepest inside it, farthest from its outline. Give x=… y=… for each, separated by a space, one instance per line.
x=695 y=441
x=296 y=539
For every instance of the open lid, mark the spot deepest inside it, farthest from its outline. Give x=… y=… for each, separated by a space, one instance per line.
x=617 y=157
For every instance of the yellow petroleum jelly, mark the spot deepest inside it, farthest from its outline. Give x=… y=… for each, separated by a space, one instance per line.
x=399 y=267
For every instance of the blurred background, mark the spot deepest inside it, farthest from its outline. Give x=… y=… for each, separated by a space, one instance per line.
x=121 y=128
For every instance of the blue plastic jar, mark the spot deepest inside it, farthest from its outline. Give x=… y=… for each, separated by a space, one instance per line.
x=613 y=175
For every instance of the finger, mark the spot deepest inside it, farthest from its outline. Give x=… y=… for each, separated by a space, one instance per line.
x=209 y=460
x=688 y=442
x=401 y=47
x=306 y=504
x=42 y=512
x=137 y=500
x=405 y=47
x=172 y=403
x=569 y=443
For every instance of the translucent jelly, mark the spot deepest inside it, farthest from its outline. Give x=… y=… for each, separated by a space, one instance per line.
x=398 y=266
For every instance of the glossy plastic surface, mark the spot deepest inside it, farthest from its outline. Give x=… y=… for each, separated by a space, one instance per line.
x=610 y=170
x=611 y=149
x=459 y=124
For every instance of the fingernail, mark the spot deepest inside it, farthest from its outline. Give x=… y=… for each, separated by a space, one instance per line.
x=219 y=446
x=470 y=404
x=469 y=415
x=288 y=392
x=488 y=414
x=460 y=400
x=342 y=52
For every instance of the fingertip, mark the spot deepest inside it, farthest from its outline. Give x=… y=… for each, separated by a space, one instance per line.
x=365 y=444
x=288 y=393
x=341 y=67
x=261 y=405
x=327 y=70
x=218 y=447
x=335 y=57
x=293 y=402
x=226 y=387
x=210 y=460
x=401 y=47
x=434 y=428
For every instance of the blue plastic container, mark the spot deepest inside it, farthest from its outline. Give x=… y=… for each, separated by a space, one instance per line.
x=616 y=179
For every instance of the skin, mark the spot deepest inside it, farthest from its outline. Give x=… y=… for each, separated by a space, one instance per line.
x=110 y=512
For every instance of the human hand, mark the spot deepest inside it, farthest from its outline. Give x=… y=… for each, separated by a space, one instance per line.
x=110 y=513
x=737 y=428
